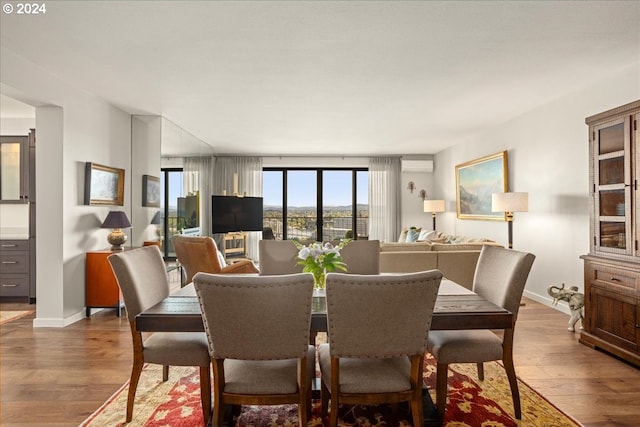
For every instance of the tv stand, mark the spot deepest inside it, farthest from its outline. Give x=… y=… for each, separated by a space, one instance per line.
x=238 y=246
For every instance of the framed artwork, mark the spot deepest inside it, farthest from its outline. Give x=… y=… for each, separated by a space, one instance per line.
x=476 y=180
x=150 y=191
x=103 y=185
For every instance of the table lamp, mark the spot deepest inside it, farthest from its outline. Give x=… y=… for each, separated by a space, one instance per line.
x=157 y=220
x=510 y=203
x=434 y=206
x=116 y=220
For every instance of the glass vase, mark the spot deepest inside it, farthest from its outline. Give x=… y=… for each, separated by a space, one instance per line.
x=319 y=279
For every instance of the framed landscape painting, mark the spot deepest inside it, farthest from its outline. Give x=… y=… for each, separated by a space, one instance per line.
x=476 y=180
x=150 y=191
x=103 y=185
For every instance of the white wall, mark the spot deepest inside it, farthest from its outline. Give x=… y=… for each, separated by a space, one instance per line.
x=145 y=159
x=412 y=208
x=12 y=126
x=73 y=127
x=548 y=158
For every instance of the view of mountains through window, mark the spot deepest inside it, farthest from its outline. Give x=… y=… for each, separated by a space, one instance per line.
x=332 y=216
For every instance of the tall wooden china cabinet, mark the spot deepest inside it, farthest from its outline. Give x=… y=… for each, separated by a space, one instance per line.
x=612 y=267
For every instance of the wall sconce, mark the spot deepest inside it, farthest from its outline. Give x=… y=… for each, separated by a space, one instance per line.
x=434 y=206
x=510 y=203
x=422 y=194
x=116 y=220
x=411 y=186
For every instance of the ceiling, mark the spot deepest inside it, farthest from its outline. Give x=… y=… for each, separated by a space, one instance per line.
x=329 y=78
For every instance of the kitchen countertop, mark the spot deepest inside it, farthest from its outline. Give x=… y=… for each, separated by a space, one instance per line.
x=11 y=233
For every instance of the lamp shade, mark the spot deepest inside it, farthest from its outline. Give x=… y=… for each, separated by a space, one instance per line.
x=157 y=218
x=116 y=219
x=510 y=202
x=434 y=205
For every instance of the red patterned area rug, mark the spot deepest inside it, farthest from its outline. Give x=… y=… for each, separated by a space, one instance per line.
x=472 y=403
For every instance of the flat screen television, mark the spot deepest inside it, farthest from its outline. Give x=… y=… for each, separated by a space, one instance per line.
x=232 y=214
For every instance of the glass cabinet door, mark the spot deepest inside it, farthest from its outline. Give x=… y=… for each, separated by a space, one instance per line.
x=13 y=158
x=612 y=187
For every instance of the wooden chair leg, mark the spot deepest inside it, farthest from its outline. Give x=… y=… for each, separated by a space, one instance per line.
x=480 y=371
x=416 y=410
x=303 y=402
x=441 y=388
x=513 y=382
x=165 y=373
x=136 y=370
x=205 y=392
x=324 y=400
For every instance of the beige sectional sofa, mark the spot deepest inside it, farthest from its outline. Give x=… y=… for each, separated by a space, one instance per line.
x=457 y=261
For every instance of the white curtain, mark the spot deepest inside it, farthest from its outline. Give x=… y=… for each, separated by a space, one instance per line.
x=249 y=172
x=196 y=174
x=384 y=198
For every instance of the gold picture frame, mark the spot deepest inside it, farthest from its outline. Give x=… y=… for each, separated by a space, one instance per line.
x=476 y=181
x=103 y=185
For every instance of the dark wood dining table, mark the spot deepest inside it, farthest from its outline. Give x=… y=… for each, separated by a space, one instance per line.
x=456 y=308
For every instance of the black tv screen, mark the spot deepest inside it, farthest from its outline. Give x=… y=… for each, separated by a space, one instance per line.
x=232 y=214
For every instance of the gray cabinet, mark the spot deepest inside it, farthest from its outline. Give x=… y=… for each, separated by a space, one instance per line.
x=15 y=268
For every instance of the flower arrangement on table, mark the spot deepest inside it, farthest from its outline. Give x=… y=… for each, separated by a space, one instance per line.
x=319 y=259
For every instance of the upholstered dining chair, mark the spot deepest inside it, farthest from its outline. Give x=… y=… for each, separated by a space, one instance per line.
x=362 y=256
x=143 y=281
x=200 y=254
x=278 y=257
x=500 y=277
x=367 y=361
x=259 y=345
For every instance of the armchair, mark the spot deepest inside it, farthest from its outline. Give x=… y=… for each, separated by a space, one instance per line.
x=200 y=254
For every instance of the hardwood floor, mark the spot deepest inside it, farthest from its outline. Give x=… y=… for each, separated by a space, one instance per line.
x=58 y=377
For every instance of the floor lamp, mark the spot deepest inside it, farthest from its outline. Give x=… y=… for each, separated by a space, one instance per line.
x=434 y=206
x=510 y=203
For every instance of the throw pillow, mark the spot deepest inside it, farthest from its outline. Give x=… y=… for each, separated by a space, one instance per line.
x=428 y=235
x=412 y=234
x=403 y=236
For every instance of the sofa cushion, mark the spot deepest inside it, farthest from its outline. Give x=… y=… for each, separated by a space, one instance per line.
x=442 y=247
x=395 y=247
x=408 y=261
x=459 y=266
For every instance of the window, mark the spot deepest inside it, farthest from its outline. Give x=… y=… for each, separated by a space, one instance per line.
x=319 y=204
x=171 y=188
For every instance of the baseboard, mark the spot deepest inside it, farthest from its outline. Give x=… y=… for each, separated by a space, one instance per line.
x=56 y=322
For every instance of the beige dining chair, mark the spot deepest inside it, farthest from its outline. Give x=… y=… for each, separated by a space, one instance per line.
x=200 y=254
x=362 y=256
x=500 y=277
x=370 y=362
x=143 y=281
x=258 y=332
x=278 y=257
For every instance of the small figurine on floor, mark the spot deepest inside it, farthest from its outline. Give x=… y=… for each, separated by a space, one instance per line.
x=575 y=300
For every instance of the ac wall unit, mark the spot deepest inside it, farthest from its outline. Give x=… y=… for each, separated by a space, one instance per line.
x=416 y=165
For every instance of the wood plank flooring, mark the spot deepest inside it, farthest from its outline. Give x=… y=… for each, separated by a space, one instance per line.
x=58 y=377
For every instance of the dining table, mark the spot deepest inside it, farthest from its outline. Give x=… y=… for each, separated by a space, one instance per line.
x=456 y=308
